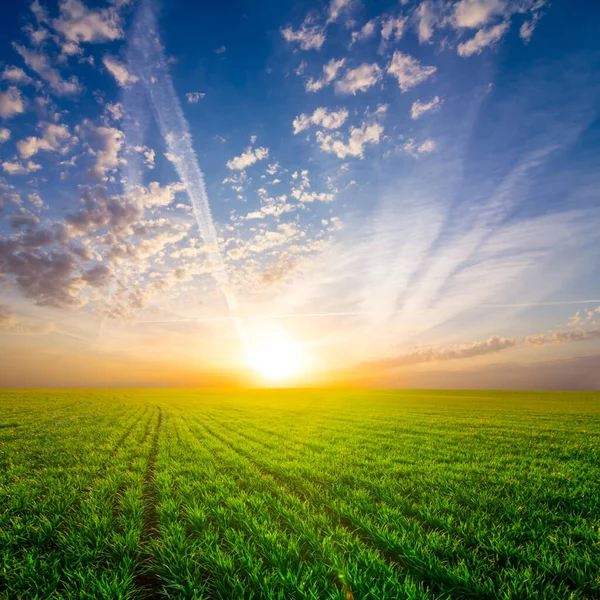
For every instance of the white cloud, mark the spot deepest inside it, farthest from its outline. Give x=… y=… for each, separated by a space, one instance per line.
x=309 y=36
x=115 y=110
x=336 y=7
x=11 y=103
x=321 y=117
x=475 y=13
x=16 y=75
x=78 y=23
x=419 y=108
x=17 y=168
x=393 y=27
x=4 y=135
x=427 y=146
x=563 y=337
x=408 y=71
x=105 y=144
x=194 y=97
x=359 y=79
x=365 y=32
x=248 y=158
x=427 y=20
x=413 y=149
x=40 y=63
x=119 y=71
x=157 y=195
x=54 y=137
x=220 y=50
x=330 y=71
x=359 y=138
x=483 y=38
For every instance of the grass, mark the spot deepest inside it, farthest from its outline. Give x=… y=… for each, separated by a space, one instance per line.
x=299 y=494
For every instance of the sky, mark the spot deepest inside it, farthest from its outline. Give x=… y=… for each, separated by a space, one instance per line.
x=393 y=194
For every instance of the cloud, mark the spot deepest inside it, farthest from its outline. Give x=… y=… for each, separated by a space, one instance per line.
x=359 y=138
x=104 y=144
x=11 y=103
x=40 y=63
x=22 y=218
x=157 y=195
x=427 y=146
x=11 y=324
x=16 y=75
x=330 y=71
x=393 y=27
x=336 y=7
x=118 y=70
x=321 y=117
x=220 y=50
x=419 y=108
x=194 y=97
x=247 y=158
x=54 y=137
x=426 y=21
x=17 y=168
x=408 y=71
x=365 y=32
x=415 y=150
x=77 y=23
x=442 y=353
x=309 y=36
x=564 y=337
x=4 y=135
x=482 y=39
x=475 y=13
x=359 y=79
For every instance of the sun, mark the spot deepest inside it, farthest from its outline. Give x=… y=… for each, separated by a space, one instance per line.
x=276 y=356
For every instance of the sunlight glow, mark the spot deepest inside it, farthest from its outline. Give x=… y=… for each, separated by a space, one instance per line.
x=275 y=356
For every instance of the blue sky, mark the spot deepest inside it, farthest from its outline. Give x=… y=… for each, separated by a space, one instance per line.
x=406 y=189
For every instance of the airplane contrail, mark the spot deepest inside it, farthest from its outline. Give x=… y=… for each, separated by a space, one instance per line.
x=148 y=62
x=352 y=313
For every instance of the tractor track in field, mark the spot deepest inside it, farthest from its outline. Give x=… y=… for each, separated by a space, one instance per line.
x=441 y=583
x=148 y=584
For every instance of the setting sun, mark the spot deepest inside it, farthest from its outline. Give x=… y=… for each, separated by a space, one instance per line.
x=276 y=356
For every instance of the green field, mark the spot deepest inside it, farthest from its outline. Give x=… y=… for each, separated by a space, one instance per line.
x=299 y=494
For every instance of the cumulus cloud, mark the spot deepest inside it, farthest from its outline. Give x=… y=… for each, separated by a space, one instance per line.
x=337 y=7
x=40 y=64
x=194 y=97
x=22 y=218
x=247 y=158
x=426 y=21
x=358 y=139
x=54 y=137
x=393 y=28
x=157 y=195
x=408 y=71
x=104 y=144
x=482 y=39
x=442 y=353
x=16 y=75
x=119 y=71
x=563 y=337
x=17 y=168
x=11 y=103
x=330 y=71
x=476 y=13
x=359 y=79
x=78 y=23
x=310 y=36
x=321 y=117
x=4 y=135
x=415 y=149
x=419 y=108
x=365 y=32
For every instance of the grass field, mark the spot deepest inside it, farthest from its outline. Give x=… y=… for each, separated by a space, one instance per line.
x=299 y=494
